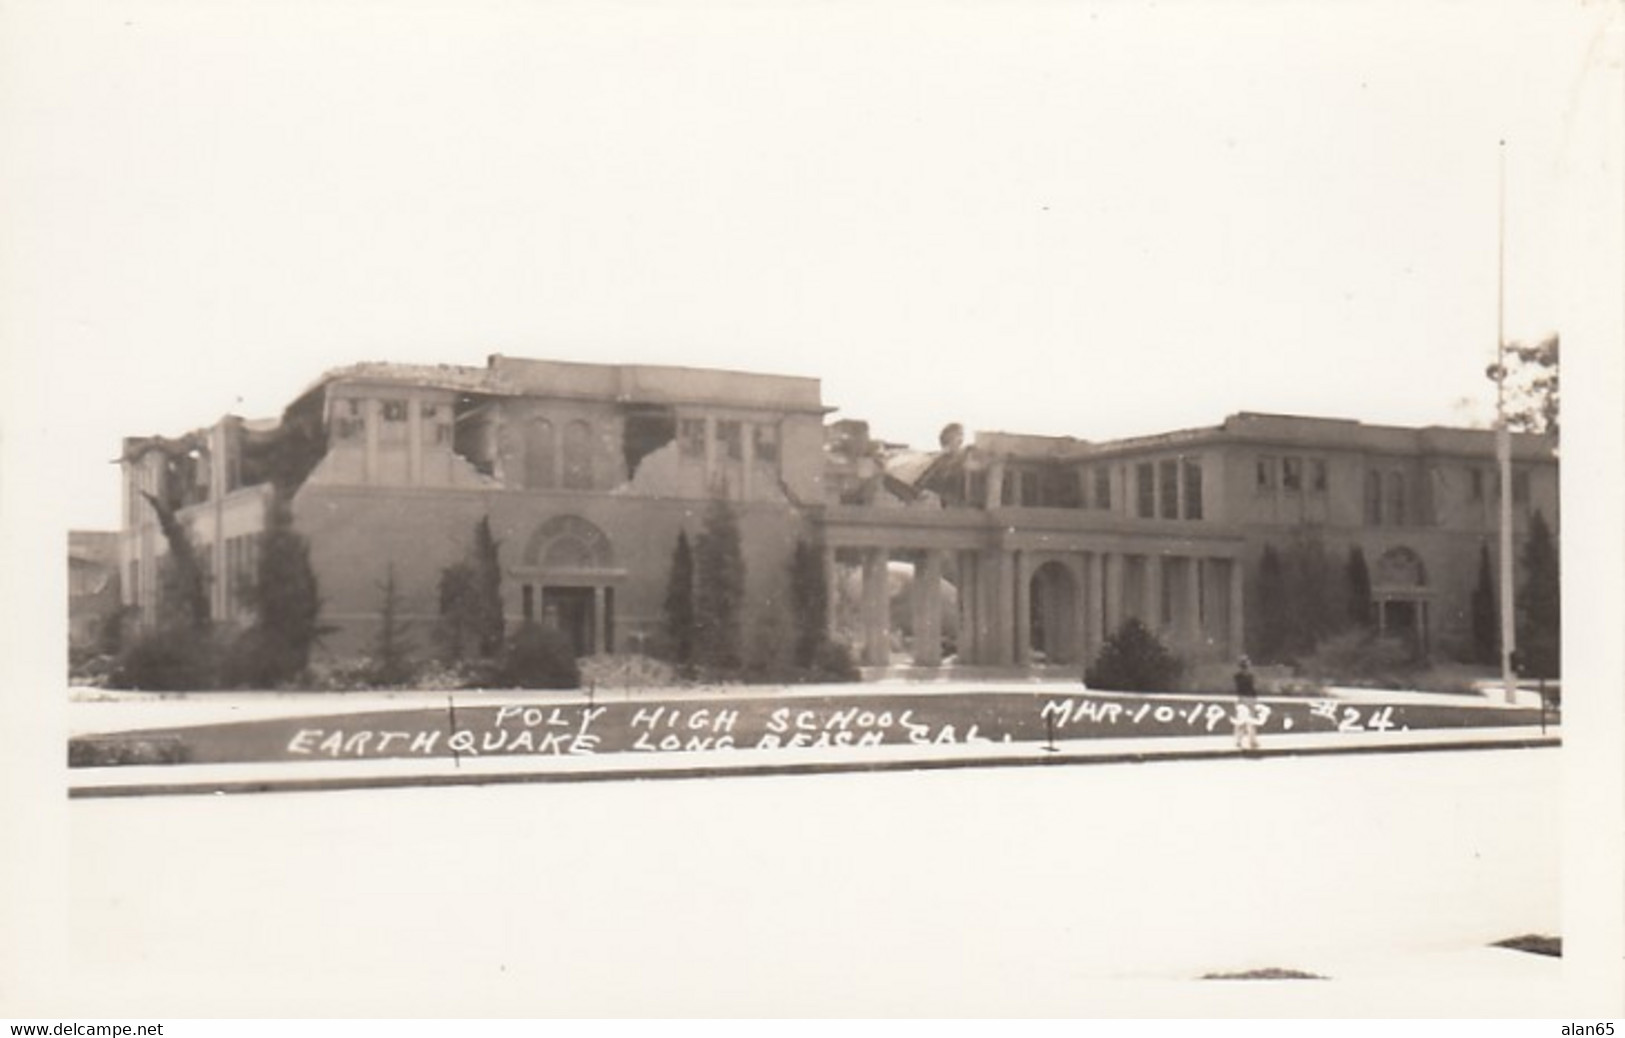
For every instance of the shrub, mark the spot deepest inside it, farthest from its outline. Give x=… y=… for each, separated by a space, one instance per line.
x=626 y=670
x=1361 y=658
x=169 y=659
x=833 y=662
x=1134 y=660
x=539 y=657
x=110 y=751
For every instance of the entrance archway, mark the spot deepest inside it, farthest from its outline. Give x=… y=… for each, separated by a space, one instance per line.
x=1399 y=593
x=1055 y=627
x=567 y=582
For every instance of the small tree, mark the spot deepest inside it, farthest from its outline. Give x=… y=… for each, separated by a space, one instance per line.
x=1540 y=604
x=487 y=621
x=1486 y=620
x=1358 y=578
x=1134 y=660
x=719 y=590
x=392 y=649
x=679 y=604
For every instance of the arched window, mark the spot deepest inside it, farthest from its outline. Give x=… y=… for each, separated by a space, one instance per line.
x=578 y=456
x=539 y=472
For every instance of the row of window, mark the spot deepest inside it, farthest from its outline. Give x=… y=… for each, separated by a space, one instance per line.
x=1290 y=474
x=350 y=420
x=1166 y=489
x=730 y=439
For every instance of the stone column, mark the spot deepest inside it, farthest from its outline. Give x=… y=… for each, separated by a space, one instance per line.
x=969 y=643
x=1089 y=608
x=928 y=610
x=1112 y=566
x=1151 y=601
x=831 y=588
x=1193 y=600
x=370 y=415
x=995 y=484
x=1023 y=593
x=600 y=621
x=876 y=639
x=1238 y=640
x=1001 y=617
x=414 y=441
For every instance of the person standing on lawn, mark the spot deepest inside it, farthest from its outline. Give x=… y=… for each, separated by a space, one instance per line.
x=1246 y=706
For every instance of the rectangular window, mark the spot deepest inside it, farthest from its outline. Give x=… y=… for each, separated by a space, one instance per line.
x=1264 y=477
x=394 y=410
x=765 y=442
x=1373 y=498
x=691 y=437
x=1292 y=475
x=1103 y=487
x=1475 y=484
x=731 y=440
x=1168 y=488
x=1193 y=489
x=351 y=421
x=1396 y=499
x=1520 y=487
x=1317 y=475
x=527 y=601
x=1031 y=497
x=1145 y=490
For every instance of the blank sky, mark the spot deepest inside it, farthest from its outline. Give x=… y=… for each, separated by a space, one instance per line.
x=1084 y=219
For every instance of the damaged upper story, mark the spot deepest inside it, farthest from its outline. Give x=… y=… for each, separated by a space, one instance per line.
x=515 y=425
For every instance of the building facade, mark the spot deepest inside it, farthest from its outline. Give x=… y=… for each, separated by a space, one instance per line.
x=1023 y=549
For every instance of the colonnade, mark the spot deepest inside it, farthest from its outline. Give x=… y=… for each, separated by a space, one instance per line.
x=1019 y=606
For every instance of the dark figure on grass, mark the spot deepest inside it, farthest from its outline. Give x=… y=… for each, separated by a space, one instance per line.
x=1246 y=706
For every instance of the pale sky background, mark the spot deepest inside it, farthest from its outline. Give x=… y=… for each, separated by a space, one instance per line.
x=1085 y=219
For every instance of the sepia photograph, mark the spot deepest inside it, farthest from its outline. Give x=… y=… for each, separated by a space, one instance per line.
x=812 y=510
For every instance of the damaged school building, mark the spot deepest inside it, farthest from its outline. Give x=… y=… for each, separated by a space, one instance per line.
x=1023 y=550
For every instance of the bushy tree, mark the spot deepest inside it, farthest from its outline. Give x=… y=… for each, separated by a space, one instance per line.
x=1486 y=616
x=1134 y=660
x=719 y=590
x=678 y=610
x=809 y=603
x=1533 y=389
x=1540 y=604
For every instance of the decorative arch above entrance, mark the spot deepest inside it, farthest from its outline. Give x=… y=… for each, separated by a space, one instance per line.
x=1399 y=591
x=567 y=581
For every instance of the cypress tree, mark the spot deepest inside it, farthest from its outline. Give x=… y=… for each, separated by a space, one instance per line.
x=1359 y=589
x=719 y=590
x=1486 y=622
x=286 y=603
x=1271 y=632
x=487 y=621
x=183 y=596
x=1540 y=604
x=679 y=605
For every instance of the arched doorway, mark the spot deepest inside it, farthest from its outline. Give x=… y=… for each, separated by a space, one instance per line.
x=1399 y=593
x=567 y=582
x=1055 y=627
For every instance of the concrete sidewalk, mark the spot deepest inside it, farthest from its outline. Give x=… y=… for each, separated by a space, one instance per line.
x=291 y=776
